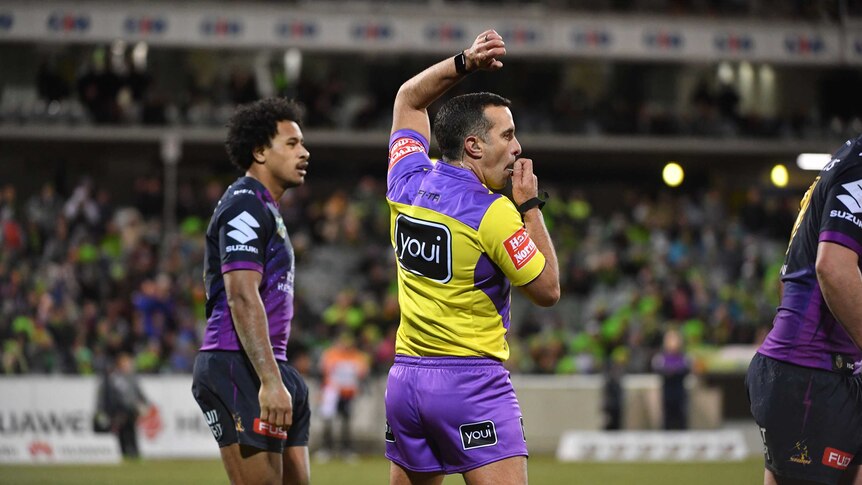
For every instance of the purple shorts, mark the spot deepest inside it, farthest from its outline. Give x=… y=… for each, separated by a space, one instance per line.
x=451 y=414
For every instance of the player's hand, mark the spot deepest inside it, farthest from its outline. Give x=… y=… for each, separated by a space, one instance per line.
x=276 y=405
x=485 y=52
x=525 y=184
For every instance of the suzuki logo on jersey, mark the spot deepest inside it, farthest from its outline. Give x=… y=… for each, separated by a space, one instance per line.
x=424 y=248
x=244 y=226
x=836 y=458
x=266 y=429
x=854 y=200
x=478 y=435
x=521 y=248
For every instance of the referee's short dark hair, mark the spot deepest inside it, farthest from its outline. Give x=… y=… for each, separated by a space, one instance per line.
x=461 y=117
x=254 y=124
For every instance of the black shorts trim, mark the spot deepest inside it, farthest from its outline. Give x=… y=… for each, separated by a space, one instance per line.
x=226 y=387
x=810 y=419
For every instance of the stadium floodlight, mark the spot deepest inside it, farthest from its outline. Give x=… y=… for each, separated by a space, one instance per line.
x=672 y=174
x=812 y=161
x=779 y=176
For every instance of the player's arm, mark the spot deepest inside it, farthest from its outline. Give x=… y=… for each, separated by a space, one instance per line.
x=249 y=317
x=545 y=289
x=841 y=283
x=411 y=103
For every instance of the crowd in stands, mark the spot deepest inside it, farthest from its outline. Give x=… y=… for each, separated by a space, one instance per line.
x=109 y=87
x=83 y=279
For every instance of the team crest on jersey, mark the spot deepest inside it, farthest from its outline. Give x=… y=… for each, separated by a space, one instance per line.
x=279 y=222
x=238 y=420
x=402 y=147
x=520 y=248
x=280 y=228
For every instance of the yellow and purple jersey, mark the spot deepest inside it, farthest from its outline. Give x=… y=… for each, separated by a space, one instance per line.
x=459 y=248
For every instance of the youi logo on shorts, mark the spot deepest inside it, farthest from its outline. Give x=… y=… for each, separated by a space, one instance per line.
x=424 y=248
x=478 y=435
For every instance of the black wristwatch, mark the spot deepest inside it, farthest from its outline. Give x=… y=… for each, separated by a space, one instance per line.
x=534 y=202
x=461 y=63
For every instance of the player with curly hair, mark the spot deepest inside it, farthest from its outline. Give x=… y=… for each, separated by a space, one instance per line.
x=255 y=403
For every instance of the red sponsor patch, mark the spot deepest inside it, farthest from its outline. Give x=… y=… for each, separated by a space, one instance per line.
x=836 y=458
x=520 y=248
x=266 y=429
x=401 y=148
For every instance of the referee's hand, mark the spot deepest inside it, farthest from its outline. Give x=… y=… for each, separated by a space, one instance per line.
x=486 y=51
x=525 y=184
x=276 y=405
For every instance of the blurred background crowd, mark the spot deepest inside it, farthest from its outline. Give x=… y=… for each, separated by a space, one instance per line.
x=95 y=262
x=83 y=279
x=122 y=84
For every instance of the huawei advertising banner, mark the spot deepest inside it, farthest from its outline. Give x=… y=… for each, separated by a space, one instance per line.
x=50 y=420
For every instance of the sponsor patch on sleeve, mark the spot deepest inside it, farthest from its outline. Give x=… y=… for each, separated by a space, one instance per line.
x=521 y=248
x=402 y=147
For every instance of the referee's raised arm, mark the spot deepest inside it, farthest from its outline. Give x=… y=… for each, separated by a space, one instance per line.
x=411 y=103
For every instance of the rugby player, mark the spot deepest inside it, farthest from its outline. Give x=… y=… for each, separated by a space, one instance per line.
x=255 y=403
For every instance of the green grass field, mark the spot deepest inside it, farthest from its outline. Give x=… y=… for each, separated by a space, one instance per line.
x=374 y=471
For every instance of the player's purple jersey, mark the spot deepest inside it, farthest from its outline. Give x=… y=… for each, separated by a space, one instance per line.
x=246 y=232
x=804 y=330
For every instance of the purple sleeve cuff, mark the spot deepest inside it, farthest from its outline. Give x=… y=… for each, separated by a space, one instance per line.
x=227 y=268
x=842 y=239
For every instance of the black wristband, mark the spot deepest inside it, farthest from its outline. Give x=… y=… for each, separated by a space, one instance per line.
x=461 y=63
x=534 y=202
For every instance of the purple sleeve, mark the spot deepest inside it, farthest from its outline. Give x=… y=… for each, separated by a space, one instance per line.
x=408 y=153
x=841 y=219
x=243 y=233
x=842 y=239
x=228 y=267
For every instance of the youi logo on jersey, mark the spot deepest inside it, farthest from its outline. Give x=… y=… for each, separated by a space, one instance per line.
x=424 y=248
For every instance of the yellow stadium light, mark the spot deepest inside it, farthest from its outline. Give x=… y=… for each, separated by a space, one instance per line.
x=779 y=175
x=672 y=174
